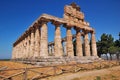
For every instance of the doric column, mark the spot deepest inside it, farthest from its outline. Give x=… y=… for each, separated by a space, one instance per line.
x=69 y=44
x=19 y=51
x=23 y=55
x=52 y=46
x=22 y=49
x=13 y=53
x=29 y=45
x=58 y=46
x=37 y=41
x=32 y=43
x=65 y=52
x=78 y=44
x=86 y=44
x=20 y=46
x=93 y=43
x=49 y=49
x=44 y=40
x=25 y=47
x=16 y=51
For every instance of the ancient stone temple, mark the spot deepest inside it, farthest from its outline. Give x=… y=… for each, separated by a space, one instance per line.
x=33 y=44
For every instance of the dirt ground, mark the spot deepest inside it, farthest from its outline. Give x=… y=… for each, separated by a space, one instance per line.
x=95 y=71
x=103 y=74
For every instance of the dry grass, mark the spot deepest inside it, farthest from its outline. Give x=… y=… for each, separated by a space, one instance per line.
x=50 y=71
x=12 y=65
x=111 y=75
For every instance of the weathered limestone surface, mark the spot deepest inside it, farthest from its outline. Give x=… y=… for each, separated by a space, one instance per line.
x=65 y=51
x=25 y=46
x=32 y=38
x=13 y=53
x=33 y=44
x=94 y=47
x=58 y=46
x=86 y=44
x=69 y=44
x=51 y=18
x=28 y=48
x=44 y=40
x=37 y=42
x=78 y=44
x=19 y=50
x=52 y=49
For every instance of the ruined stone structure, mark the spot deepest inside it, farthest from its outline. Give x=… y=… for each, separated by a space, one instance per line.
x=33 y=43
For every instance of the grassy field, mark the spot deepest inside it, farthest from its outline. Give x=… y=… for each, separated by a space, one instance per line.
x=93 y=71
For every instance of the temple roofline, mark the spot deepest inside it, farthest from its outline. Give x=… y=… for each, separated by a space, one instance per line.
x=50 y=18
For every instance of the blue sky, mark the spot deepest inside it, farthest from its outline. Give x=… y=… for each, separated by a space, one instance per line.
x=17 y=15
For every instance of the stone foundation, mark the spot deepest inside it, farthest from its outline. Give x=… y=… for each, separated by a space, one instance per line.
x=58 y=61
x=33 y=46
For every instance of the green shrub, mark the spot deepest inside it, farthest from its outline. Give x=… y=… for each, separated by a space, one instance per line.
x=98 y=78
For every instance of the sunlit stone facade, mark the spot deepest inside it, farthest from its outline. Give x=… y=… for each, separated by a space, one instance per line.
x=33 y=43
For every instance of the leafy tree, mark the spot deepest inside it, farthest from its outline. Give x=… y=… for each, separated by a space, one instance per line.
x=112 y=50
x=104 y=44
x=119 y=35
x=118 y=53
x=107 y=45
x=110 y=41
x=117 y=43
x=101 y=48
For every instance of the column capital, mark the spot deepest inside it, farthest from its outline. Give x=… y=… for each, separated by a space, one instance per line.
x=36 y=25
x=56 y=23
x=25 y=35
x=77 y=28
x=27 y=32
x=68 y=26
x=32 y=29
x=86 y=31
x=93 y=32
x=43 y=21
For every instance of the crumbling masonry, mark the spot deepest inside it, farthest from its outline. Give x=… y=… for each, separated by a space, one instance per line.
x=33 y=43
